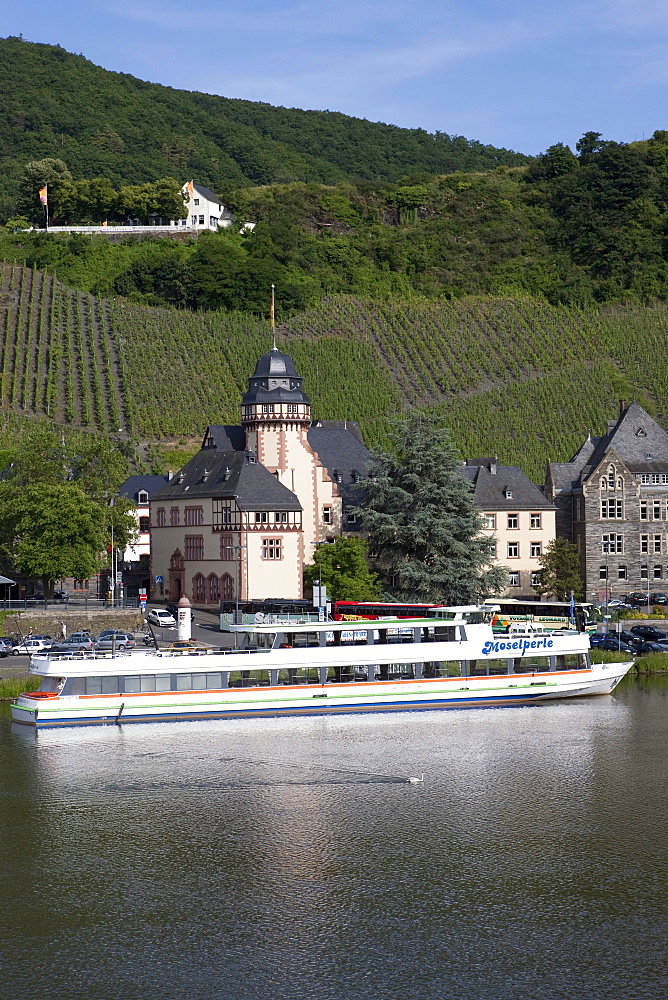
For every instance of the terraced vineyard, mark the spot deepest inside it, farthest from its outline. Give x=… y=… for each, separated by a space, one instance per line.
x=516 y=378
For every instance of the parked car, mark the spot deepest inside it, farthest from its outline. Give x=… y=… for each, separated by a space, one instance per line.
x=73 y=642
x=30 y=646
x=174 y=611
x=658 y=598
x=618 y=602
x=61 y=595
x=596 y=638
x=649 y=633
x=6 y=647
x=117 y=640
x=617 y=646
x=162 y=617
x=650 y=647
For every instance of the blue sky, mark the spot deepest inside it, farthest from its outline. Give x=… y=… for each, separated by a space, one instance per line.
x=521 y=74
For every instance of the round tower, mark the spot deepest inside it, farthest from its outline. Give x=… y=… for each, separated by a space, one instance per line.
x=275 y=402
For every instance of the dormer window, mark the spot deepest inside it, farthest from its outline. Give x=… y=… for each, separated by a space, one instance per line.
x=354 y=475
x=611 y=477
x=181 y=476
x=142 y=497
x=508 y=493
x=641 y=432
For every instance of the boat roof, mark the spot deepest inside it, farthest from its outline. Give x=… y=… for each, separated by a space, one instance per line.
x=356 y=624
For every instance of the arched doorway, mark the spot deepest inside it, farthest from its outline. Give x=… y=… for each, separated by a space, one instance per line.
x=176 y=575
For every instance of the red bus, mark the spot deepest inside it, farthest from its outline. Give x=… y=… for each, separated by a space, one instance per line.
x=350 y=611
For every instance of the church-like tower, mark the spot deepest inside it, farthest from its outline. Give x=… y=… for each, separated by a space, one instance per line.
x=276 y=415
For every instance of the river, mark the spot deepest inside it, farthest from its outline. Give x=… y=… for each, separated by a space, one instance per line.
x=290 y=858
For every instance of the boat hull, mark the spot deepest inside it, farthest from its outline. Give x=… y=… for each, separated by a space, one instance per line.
x=314 y=699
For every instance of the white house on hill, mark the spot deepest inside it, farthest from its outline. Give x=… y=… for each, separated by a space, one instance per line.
x=205 y=209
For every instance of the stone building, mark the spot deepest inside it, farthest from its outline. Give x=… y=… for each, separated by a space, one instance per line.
x=517 y=515
x=244 y=516
x=612 y=501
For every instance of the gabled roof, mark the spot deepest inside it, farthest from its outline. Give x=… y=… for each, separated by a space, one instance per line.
x=637 y=439
x=634 y=438
x=232 y=474
x=134 y=484
x=207 y=193
x=490 y=487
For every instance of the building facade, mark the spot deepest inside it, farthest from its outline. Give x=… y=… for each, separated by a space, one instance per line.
x=245 y=515
x=204 y=207
x=612 y=501
x=517 y=516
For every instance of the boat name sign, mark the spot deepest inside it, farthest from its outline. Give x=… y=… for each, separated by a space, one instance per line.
x=520 y=644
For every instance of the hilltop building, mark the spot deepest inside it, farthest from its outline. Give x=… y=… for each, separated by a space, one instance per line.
x=517 y=515
x=204 y=207
x=612 y=501
x=243 y=517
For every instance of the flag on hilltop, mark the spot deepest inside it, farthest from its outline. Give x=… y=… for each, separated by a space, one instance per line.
x=43 y=196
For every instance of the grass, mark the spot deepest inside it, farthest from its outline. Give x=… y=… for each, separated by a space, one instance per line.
x=12 y=687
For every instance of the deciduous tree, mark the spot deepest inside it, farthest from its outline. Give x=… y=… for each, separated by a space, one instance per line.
x=344 y=570
x=560 y=571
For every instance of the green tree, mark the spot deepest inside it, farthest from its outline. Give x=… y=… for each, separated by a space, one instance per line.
x=422 y=520
x=51 y=531
x=560 y=570
x=36 y=174
x=344 y=570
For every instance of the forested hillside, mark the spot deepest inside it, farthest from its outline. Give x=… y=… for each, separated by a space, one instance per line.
x=512 y=377
x=575 y=229
x=56 y=104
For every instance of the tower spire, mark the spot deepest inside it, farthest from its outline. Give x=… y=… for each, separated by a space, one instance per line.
x=272 y=317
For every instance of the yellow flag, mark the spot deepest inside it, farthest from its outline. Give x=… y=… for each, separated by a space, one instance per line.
x=43 y=196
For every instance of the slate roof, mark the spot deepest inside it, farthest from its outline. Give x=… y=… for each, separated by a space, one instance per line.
x=230 y=474
x=151 y=484
x=206 y=193
x=634 y=437
x=271 y=366
x=275 y=363
x=226 y=437
x=340 y=448
x=489 y=487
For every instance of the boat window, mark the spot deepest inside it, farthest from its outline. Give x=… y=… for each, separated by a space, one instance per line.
x=147 y=682
x=163 y=682
x=75 y=686
x=301 y=640
x=199 y=682
x=571 y=661
x=531 y=664
x=132 y=685
x=101 y=685
x=444 y=668
x=214 y=681
x=52 y=684
x=249 y=678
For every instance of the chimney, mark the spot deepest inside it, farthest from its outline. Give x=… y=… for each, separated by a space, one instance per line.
x=622 y=407
x=170 y=475
x=492 y=467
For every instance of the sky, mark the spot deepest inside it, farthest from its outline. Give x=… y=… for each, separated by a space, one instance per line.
x=521 y=74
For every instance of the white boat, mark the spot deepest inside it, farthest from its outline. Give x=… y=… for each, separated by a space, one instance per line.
x=451 y=660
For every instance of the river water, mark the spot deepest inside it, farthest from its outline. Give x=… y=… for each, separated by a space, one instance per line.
x=276 y=859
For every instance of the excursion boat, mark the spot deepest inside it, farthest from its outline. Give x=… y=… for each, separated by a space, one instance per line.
x=451 y=660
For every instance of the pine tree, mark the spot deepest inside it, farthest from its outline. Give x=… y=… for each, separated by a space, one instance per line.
x=422 y=521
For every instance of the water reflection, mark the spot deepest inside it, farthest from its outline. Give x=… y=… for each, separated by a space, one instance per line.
x=285 y=858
